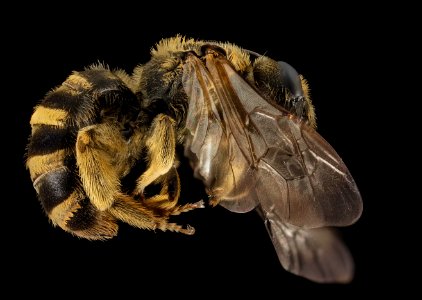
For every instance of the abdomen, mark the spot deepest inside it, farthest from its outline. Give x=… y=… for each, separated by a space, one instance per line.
x=80 y=101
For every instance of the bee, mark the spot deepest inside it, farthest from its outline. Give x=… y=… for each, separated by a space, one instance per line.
x=247 y=126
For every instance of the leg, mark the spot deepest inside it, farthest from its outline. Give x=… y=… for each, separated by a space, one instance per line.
x=169 y=196
x=100 y=154
x=136 y=214
x=98 y=151
x=96 y=147
x=161 y=146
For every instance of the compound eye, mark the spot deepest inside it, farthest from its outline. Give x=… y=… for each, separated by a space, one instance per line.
x=290 y=78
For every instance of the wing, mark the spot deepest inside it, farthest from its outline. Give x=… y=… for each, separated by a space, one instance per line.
x=317 y=254
x=249 y=152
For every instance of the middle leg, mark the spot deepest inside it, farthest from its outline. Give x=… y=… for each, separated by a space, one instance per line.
x=161 y=145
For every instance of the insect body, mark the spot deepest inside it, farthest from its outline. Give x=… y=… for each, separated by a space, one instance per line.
x=86 y=137
x=247 y=125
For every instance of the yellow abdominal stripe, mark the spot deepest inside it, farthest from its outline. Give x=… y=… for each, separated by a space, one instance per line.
x=40 y=164
x=48 y=116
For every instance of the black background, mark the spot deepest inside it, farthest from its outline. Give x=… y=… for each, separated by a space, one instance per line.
x=230 y=254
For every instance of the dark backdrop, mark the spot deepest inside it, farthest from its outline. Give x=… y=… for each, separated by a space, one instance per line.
x=230 y=254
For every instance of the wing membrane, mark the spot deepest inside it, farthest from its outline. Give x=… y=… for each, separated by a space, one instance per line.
x=249 y=152
x=211 y=147
x=317 y=254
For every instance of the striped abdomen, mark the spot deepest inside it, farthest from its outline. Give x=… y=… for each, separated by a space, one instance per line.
x=82 y=100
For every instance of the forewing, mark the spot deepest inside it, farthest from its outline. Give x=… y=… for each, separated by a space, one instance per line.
x=317 y=254
x=248 y=151
x=213 y=153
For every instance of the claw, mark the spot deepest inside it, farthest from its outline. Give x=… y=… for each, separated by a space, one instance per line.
x=213 y=201
x=199 y=204
x=189 y=230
